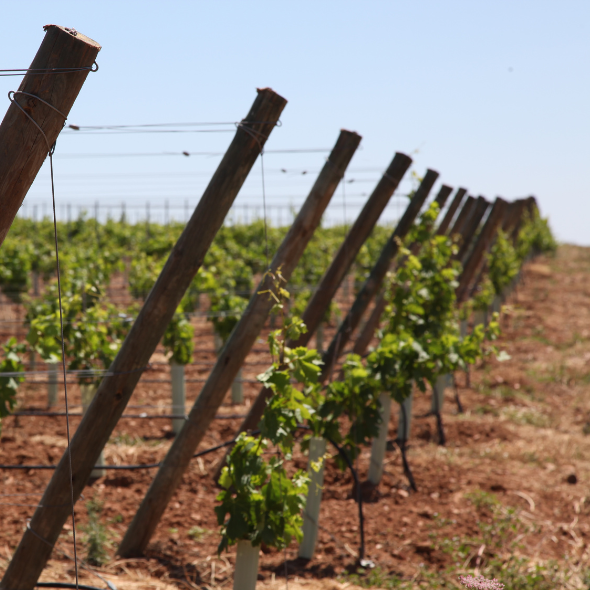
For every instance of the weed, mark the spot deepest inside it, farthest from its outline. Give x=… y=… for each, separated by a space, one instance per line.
x=96 y=534
x=481 y=499
x=126 y=440
x=528 y=417
x=196 y=533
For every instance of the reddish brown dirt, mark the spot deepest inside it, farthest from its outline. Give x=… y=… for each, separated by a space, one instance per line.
x=521 y=441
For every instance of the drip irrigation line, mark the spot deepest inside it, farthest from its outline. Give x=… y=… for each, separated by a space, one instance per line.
x=66 y=585
x=42 y=414
x=130 y=467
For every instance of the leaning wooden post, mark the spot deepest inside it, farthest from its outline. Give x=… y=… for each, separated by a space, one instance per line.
x=368 y=330
x=235 y=351
x=480 y=248
x=463 y=215
x=455 y=203
x=471 y=226
x=333 y=277
x=23 y=149
x=116 y=388
x=373 y=283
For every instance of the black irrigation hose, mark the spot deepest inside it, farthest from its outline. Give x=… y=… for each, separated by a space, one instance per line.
x=408 y=472
x=64 y=585
x=130 y=467
x=29 y=413
x=442 y=440
x=342 y=452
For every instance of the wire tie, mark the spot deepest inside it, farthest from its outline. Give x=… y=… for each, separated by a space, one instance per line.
x=50 y=149
x=37 y=534
x=390 y=178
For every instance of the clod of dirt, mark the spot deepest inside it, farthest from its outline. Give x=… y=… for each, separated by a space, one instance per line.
x=369 y=492
x=572 y=478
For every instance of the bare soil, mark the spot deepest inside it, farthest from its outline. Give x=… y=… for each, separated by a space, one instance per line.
x=521 y=447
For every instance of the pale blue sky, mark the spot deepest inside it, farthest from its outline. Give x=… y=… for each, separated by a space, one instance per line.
x=493 y=95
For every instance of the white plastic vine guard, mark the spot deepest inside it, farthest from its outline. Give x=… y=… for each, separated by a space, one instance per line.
x=246 y=572
x=438 y=392
x=311 y=514
x=52 y=385
x=379 y=445
x=404 y=426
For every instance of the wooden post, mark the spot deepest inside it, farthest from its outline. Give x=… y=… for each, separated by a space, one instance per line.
x=368 y=331
x=480 y=248
x=338 y=269
x=114 y=391
x=22 y=146
x=471 y=226
x=357 y=235
x=235 y=350
x=455 y=203
x=375 y=280
x=463 y=215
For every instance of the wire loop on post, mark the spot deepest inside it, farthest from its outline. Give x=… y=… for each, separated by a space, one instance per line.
x=44 y=71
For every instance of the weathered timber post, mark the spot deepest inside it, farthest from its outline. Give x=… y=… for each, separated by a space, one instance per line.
x=338 y=269
x=471 y=226
x=375 y=280
x=368 y=330
x=22 y=146
x=463 y=215
x=480 y=247
x=235 y=351
x=114 y=391
x=455 y=203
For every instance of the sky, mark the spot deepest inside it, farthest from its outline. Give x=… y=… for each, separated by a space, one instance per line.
x=492 y=95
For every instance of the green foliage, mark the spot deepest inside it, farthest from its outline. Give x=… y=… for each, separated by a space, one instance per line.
x=354 y=396
x=421 y=339
x=92 y=335
x=534 y=237
x=503 y=263
x=11 y=363
x=96 y=534
x=260 y=502
x=178 y=339
x=15 y=268
x=484 y=295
